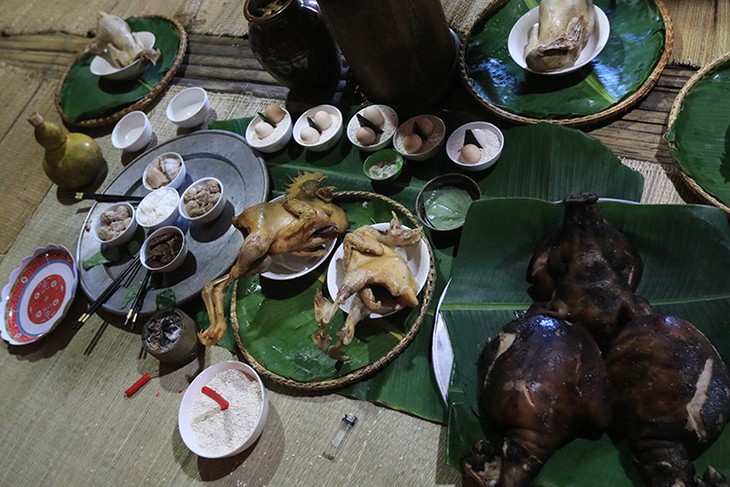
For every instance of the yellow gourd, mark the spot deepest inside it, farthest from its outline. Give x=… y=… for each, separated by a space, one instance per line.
x=72 y=160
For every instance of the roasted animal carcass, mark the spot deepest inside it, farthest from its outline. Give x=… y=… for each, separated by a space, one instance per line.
x=586 y=271
x=672 y=397
x=376 y=274
x=115 y=43
x=302 y=223
x=542 y=384
x=562 y=31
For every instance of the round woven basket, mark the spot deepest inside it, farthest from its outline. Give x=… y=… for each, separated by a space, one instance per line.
x=374 y=367
x=138 y=105
x=674 y=112
x=595 y=118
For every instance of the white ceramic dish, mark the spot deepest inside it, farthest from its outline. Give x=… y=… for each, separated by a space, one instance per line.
x=483 y=132
x=390 y=123
x=38 y=294
x=189 y=108
x=417 y=258
x=431 y=145
x=150 y=204
x=442 y=353
x=176 y=262
x=518 y=38
x=123 y=237
x=132 y=132
x=176 y=181
x=276 y=141
x=329 y=136
x=101 y=67
x=213 y=212
x=194 y=389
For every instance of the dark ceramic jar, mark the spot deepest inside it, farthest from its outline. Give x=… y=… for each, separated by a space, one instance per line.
x=292 y=42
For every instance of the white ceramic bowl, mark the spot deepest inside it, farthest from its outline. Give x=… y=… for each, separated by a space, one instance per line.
x=185 y=417
x=489 y=137
x=189 y=108
x=123 y=237
x=329 y=136
x=519 y=36
x=132 y=132
x=176 y=181
x=158 y=209
x=176 y=262
x=384 y=139
x=101 y=67
x=276 y=141
x=210 y=215
x=430 y=146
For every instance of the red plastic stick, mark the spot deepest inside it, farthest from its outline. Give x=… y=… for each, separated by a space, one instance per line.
x=138 y=385
x=216 y=397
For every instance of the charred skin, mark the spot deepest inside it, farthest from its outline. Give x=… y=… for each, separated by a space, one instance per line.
x=543 y=384
x=672 y=397
x=586 y=271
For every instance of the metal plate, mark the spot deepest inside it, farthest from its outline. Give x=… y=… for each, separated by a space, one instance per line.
x=213 y=246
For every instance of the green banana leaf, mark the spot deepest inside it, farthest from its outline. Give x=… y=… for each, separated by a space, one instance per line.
x=699 y=137
x=489 y=289
x=543 y=161
x=634 y=47
x=85 y=96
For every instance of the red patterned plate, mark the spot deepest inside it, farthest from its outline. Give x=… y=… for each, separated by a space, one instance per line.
x=38 y=294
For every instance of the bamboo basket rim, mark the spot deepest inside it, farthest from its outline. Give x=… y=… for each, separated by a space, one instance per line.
x=374 y=367
x=674 y=113
x=142 y=102
x=595 y=118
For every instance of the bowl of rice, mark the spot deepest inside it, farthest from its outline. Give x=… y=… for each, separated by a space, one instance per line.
x=210 y=431
x=158 y=209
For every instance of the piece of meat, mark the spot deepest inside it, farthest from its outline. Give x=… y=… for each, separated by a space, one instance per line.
x=672 y=397
x=586 y=271
x=542 y=384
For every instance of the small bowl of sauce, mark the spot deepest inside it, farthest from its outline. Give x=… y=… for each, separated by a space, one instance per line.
x=443 y=202
x=383 y=165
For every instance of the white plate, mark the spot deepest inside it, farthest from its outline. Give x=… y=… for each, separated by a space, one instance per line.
x=287 y=266
x=416 y=256
x=101 y=67
x=518 y=38
x=442 y=354
x=38 y=294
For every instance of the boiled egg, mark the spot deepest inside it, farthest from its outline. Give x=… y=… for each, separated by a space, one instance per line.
x=365 y=135
x=470 y=154
x=412 y=143
x=322 y=119
x=274 y=113
x=374 y=115
x=309 y=135
x=263 y=129
x=426 y=126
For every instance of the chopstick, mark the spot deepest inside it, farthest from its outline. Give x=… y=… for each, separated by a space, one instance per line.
x=107 y=198
x=138 y=302
x=132 y=267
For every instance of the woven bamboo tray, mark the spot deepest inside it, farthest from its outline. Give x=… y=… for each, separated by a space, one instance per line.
x=140 y=103
x=337 y=382
x=698 y=187
x=591 y=119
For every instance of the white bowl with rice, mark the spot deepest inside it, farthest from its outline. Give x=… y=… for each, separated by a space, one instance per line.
x=475 y=157
x=364 y=137
x=329 y=121
x=158 y=209
x=210 y=432
x=263 y=137
x=419 y=137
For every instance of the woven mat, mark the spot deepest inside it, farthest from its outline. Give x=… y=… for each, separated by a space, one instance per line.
x=663 y=183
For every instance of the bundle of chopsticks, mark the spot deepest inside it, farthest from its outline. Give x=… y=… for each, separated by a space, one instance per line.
x=127 y=274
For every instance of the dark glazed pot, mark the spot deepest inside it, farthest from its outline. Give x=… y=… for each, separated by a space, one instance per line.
x=293 y=44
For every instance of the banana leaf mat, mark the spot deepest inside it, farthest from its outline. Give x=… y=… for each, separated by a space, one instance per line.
x=87 y=100
x=680 y=278
x=544 y=161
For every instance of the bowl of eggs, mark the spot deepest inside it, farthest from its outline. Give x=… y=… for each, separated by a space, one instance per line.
x=319 y=128
x=419 y=137
x=372 y=128
x=475 y=146
x=270 y=130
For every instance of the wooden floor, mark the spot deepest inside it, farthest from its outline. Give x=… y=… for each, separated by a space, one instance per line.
x=226 y=64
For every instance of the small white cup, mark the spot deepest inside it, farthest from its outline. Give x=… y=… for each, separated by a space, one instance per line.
x=133 y=132
x=189 y=108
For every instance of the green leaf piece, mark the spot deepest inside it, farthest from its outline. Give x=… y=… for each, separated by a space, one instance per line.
x=364 y=122
x=470 y=138
x=314 y=125
x=267 y=119
x=165 y=300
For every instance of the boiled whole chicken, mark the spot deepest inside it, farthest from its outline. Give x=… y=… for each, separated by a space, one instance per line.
x=116 y=43
x=586 y=271
x=377 y=276
x=302 y=223
x=562 y=31
x=672 y=398
x=543 y=383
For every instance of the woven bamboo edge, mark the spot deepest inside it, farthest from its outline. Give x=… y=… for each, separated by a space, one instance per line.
x=609 y=113
x=674 y=113
x=368 y=370
x=138 y=105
